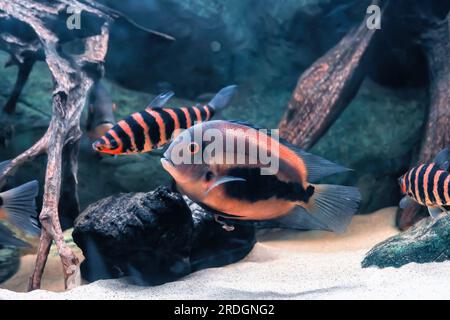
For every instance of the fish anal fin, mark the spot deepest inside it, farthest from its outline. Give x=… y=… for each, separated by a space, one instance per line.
x=405 y=202
x=299 y=219
x=434 y=211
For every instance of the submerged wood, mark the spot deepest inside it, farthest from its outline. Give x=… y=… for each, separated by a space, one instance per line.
x=325 y=89
x=39 y=29
x=437 y=130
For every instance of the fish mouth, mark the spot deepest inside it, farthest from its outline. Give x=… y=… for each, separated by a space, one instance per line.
x=97 y=146
x=168 y=165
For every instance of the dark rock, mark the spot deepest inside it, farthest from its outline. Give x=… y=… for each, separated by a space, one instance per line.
x=427 y=241
x=9 y=262
x=154 y=238
x=212 y=246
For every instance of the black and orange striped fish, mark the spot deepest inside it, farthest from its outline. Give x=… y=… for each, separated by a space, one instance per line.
x=428 y=184
x=156 y=126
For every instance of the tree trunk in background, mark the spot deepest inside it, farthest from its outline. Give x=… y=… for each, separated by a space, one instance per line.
x=326 y=88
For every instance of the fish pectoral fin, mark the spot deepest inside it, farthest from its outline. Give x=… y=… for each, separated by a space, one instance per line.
x=405 y=202
x=160 y=100
x=299 y=219
x=222 y=180
x=442 y=159
x=434 y=211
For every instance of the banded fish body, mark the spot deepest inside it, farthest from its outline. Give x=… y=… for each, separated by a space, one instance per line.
x=18 y=207
x=155 y=126
x=240 y=190
x=428 y=184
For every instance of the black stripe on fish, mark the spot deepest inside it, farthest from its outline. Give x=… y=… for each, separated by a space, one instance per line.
x=168 y=121
x=126 y=140
x=406 y=181
x=441 y=181
x=421 y=190
x=192 y=115
x=211 y=111
x=262 y=187
x=413 y=183
x=203 y=113
x=430 y=184
x=138 y=132
x=181 y=118
x=109 y=137
x=153 y=128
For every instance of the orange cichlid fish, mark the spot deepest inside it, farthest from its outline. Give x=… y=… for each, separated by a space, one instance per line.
x=428 y=185
x=18 y=207
x=240 y=191
x=154 y=127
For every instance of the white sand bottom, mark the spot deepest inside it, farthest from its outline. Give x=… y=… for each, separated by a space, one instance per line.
x=288 y=265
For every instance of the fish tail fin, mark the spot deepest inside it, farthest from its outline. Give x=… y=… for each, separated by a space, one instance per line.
x=333 y=205
x=223 y=98
x=7 y=238
x=20 y=206
x=3 y=165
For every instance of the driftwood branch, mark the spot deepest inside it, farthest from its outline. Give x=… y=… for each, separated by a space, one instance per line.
x=72 y=77
x=35 y=30
x=325 y=89
x=437 y=131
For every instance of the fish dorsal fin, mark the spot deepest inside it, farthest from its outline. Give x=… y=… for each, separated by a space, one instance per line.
x=223 y=98
x=160 y=100
x=245 y=123
x=442 y=160
x=317 y=167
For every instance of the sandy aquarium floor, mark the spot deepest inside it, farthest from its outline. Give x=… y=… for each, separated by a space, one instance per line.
x=283 y=265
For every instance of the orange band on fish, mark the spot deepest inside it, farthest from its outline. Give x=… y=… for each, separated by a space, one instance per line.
x=138 y=118
x=197 y=114
x=188 y=117
x=436 y=186
x=161 y=125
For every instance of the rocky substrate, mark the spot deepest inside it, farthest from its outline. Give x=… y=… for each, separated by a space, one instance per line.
x=154 y=237
x=427 y=241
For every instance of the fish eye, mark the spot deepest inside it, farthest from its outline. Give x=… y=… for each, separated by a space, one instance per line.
x=410 y=194
x=209 y=175
x=193 y=147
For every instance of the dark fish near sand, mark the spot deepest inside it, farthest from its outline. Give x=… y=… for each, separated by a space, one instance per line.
x=240 y=191
x=18 y=207
x=100 y=112
x=428 y=185
x=154 y=127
